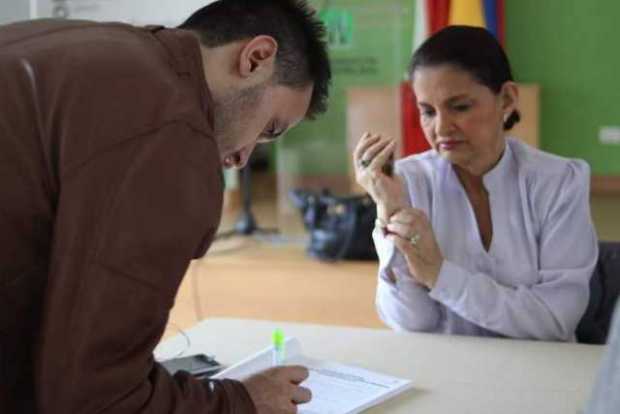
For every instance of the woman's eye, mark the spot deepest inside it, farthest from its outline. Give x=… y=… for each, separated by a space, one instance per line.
x=427 y=112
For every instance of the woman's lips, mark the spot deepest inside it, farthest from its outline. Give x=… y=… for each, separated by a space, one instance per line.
x=449 y=145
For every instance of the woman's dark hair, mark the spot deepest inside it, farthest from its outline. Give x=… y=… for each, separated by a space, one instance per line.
x=302 y=52
x=472 y=49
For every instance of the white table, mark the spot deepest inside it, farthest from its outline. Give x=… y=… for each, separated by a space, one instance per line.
x=451 y=374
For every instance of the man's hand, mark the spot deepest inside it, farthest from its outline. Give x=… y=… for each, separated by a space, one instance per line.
x=277 y=390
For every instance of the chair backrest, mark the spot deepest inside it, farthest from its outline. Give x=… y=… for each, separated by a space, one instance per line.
x=605 y=398
x=604 y=292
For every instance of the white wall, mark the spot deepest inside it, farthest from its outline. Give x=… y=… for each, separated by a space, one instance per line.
x=138 y=12
x=14 y=10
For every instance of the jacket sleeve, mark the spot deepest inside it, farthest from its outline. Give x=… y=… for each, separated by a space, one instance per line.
x=567 y=251
x=128 y=222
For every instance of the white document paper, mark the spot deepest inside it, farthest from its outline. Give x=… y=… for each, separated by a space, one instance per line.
x=336 y=388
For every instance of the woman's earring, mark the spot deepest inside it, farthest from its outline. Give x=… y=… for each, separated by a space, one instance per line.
x=506 y=116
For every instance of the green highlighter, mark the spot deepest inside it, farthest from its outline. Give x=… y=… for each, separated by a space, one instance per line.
x=278 y=347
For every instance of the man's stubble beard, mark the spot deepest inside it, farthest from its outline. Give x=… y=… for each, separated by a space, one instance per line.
x=231 y=113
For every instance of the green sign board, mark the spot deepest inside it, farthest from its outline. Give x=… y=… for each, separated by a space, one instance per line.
x=339 y=24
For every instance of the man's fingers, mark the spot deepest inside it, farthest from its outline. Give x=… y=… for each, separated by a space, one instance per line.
x=295 y=374
x=301 y=395
x=291 y=408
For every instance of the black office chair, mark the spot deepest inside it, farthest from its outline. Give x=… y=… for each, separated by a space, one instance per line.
x=604 y=291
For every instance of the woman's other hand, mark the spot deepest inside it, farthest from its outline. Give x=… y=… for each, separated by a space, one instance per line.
x=411 y=232
x=370 y=156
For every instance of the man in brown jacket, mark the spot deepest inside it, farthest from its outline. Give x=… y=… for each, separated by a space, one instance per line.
x=112 y=143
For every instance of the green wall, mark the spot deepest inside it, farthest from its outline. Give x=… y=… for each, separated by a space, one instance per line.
x=373 y=48
x=571 y=48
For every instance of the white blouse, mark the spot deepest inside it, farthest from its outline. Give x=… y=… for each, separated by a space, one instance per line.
x=534 y=280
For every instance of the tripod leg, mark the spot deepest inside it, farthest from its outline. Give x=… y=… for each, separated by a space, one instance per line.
x=246 y=224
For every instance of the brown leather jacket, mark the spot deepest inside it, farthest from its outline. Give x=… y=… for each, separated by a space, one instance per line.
x=110 y=183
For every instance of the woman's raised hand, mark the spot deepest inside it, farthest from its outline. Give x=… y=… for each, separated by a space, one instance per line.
x=370 y=156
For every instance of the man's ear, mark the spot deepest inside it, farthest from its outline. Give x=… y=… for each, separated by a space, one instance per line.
x=510 y=97
x=257 y=58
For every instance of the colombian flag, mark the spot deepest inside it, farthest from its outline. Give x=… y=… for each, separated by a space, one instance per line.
x=430 y=17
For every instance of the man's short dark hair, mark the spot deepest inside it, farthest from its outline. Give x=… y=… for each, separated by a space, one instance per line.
x=302 y=52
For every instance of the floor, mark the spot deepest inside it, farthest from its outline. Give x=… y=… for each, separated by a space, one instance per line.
x=272 y=278
x=259 y=280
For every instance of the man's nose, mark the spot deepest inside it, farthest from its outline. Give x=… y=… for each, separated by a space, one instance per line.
x=244 y=155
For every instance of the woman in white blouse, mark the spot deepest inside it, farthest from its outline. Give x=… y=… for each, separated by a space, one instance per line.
x=481 y=235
